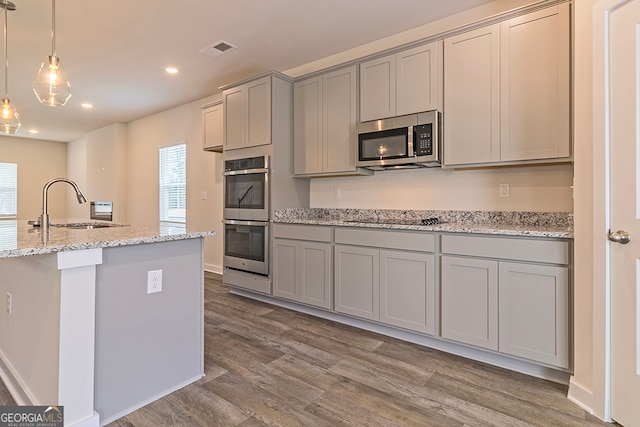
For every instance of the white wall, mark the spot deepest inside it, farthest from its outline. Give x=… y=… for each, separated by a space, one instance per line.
x=204 y=172
x=97 y=163
x=539 y=188
x=38 y=162
x=582 y=383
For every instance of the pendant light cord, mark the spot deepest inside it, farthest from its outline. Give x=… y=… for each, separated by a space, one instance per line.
x=6 y=56
x=53 y=27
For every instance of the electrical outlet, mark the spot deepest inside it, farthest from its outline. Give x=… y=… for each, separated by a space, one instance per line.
x=154 y=281
x=337 y=192
x=504 y=190
x=203 y=195
x=9 y=303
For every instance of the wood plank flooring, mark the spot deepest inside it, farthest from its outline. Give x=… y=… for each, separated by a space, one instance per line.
x=268 y=366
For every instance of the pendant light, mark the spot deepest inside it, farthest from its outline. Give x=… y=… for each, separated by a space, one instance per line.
x=9 y=119
x=51 y=85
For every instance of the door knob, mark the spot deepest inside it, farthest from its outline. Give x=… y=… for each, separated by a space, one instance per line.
x=620 y=236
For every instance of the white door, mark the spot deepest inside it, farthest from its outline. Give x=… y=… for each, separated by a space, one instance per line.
x=624 y=133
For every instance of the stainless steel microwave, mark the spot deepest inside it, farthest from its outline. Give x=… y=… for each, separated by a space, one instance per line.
x=410 y=141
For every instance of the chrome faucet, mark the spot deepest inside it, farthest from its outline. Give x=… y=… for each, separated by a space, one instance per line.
x=44 y=218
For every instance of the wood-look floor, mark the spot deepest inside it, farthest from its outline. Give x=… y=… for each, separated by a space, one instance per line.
x=268 y=366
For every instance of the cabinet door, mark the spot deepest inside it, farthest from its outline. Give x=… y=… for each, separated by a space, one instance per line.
x=339 y=125
x=407 y=290
x=212 y=132
x=315 y=282
x=357 y=281
x=285 y=260
x=258 y=101
x=234 y=118
x=535 y=85
x=470 y=301
x=307 y=128
x=472 y=97
x=534 y=312
x=378 y=88
x=419 y=79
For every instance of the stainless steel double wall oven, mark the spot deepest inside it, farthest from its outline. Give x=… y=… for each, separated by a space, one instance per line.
x=246 y=214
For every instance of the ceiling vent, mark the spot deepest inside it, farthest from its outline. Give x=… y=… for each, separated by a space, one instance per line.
x=218 y=48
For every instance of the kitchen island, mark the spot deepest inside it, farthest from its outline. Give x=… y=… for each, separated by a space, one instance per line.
x=80 y=328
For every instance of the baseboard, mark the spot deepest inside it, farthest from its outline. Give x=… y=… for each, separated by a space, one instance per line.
x=211 y=268
x=579 y=395
x=18 y=390
x=151 y=399
x=513 y=364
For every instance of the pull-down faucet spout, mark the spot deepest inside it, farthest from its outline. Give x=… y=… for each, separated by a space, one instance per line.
x=44 y=218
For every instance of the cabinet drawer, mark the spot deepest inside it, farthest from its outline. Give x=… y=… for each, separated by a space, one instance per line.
x=547 y=251
x=302 y=232
x=397 y=239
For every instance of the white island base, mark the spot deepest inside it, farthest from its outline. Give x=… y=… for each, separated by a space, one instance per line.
x=80 y=330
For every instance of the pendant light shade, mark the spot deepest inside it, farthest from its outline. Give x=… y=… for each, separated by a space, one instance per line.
x=51 y=85
x=9 y=118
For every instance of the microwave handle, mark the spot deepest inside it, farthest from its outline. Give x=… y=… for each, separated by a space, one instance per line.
x=410 y=150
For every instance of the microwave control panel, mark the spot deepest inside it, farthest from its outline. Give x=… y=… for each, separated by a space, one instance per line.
x=423 y=141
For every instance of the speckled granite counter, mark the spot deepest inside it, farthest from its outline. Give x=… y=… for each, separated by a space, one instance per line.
x=17 y=238
x=531 y=224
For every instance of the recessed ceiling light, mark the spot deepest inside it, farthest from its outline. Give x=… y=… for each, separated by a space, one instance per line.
x=34 y=131
x=86 y=105
x=171 y=70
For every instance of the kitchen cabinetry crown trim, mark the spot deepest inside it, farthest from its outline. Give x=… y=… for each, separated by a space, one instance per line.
x=514 y=13
x=256 y=77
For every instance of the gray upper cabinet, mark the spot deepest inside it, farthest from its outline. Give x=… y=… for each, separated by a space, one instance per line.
x=325 y=124
x=212 y=127
x=507 y=91
x=403 y=83
x=247 y=114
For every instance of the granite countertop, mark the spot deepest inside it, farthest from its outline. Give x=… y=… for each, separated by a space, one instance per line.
x=17 y=238
x=529 y=224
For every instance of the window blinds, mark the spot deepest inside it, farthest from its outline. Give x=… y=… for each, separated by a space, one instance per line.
x=173 y=183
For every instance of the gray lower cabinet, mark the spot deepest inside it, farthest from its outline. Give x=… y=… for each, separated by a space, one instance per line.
x=534 y=312
x=407 y=290
x=302 y=268
x=376 y=280
x=357 y=281
x=517 y=305
x=470 y=301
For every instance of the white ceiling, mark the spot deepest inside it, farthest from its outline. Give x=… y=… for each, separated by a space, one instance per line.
x=115 y=51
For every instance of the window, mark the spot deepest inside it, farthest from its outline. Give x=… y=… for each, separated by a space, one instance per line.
x=8 y=190
x=173 y=186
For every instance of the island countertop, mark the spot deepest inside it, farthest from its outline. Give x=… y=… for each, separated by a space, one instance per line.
x=18 y=239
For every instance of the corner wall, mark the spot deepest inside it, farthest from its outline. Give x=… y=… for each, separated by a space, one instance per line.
x=38 y=162
x=97 y=163
x=581 y=389
x=145 y=136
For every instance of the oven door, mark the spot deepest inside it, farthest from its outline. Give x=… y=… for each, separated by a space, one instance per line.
x=246 y=194
x=246 y=246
